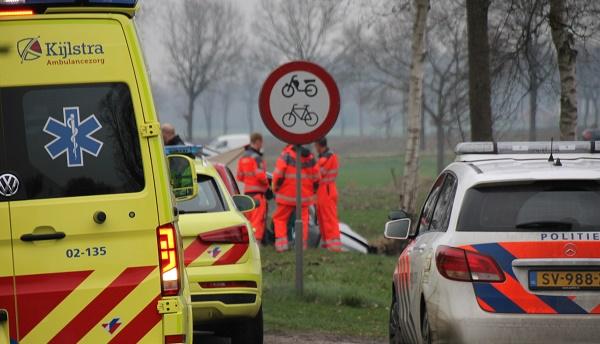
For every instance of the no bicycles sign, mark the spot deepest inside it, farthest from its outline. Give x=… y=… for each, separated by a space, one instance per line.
x=299 y=102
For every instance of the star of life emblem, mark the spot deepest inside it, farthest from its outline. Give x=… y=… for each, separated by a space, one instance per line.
x=72 y=137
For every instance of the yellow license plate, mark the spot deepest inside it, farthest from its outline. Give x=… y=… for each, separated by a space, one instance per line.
x=562 y=280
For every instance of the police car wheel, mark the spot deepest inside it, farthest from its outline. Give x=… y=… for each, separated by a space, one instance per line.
x=249 y=331
x=425 y=329
x=394 y=322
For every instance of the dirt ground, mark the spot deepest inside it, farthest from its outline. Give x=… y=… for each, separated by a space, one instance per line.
x=315 y=339
x=312 y=338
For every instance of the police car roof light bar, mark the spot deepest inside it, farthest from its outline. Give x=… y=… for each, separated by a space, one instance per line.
x=184 y=149
x=537 y=147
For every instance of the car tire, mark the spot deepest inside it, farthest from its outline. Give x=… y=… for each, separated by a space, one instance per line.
x=394 y=322
x=249 y=331
x=425 y=328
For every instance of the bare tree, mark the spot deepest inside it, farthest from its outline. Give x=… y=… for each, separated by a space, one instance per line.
x=377 y=54
x=410 y=181
x=356 y=69
x=479 y=70
x=296 y=30
x=207 y=102
x=564 y=42
x=250 y=88
x=385 y=105
x=203 y=39
x=589 y=85
x=226 y=97
x=447 y=76
x=522 y=52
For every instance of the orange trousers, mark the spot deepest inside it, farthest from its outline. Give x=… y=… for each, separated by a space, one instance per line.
x=280 y=221
x=327 y=216
x=258 y=216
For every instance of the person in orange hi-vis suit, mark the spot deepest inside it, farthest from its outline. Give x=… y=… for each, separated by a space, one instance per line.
x=327 y=195
x=284 y=187
x=252 y=171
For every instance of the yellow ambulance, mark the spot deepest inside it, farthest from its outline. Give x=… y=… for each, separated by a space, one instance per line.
x=89 y=245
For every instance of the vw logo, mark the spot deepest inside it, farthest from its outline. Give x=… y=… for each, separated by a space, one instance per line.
x=9 y=185
x=570 y=250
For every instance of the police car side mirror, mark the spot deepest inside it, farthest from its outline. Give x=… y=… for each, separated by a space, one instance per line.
x=183 y=177
x=244 y=203
x=397 y=229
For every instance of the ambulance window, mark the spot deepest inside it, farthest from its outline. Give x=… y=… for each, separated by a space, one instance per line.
x=236 y=188
x=443 y=209
x=209 y=199
x=427 y=212
x=72 y=140
x=562 y=205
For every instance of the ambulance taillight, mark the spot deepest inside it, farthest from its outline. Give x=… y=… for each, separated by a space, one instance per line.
x=168 y=253
x=15 y=13
x=235 y=234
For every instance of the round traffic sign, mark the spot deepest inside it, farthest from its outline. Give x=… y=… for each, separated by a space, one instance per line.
x=299 y=102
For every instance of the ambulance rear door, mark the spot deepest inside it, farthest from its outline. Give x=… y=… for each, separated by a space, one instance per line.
x=84 y=220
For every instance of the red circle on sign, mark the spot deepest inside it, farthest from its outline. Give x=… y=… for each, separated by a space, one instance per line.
x=267 y=115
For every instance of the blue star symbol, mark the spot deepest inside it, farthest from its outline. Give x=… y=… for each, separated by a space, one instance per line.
x=73 y=136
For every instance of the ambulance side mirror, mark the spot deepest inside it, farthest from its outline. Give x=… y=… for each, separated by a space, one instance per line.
x=244 y=203
x=183 y=177
x=397 y=229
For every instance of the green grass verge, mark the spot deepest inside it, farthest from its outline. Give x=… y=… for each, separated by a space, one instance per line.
x=367 y=192
x=345 y=293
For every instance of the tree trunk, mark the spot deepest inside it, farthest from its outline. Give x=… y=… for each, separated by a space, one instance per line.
x=209 y=126
x=361 y=119
x=564 y=42
x=250 y=115
x=189 y=118
x=422 y=143
x=595 y=113
x=388 y=125
x=226 y=114
x=586 y=115
x=479 y=71
x=410 y=180
x=441 y=139
x=533 y=95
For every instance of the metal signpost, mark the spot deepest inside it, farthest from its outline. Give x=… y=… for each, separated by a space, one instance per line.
x=299 y=103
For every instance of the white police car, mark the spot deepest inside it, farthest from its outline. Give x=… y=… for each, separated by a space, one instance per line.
x=506 y=249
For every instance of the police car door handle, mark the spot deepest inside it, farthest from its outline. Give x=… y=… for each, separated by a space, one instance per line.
x=40 y=237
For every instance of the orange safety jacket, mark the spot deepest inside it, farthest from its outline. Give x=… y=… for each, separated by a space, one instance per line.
x=328 y=165
x=252 y=171
x=284 y=177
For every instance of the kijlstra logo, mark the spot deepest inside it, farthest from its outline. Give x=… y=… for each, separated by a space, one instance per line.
x=29 y=49
x=62 y=52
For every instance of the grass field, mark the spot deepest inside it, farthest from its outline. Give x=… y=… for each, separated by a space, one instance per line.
x=347 y=293
x=337 y=299
x=368 y=192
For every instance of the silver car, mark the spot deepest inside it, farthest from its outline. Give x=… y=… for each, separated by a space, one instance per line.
x=505 y=250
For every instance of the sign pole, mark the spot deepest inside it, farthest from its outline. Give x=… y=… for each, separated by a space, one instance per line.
x=299 y=234
x=299 y=103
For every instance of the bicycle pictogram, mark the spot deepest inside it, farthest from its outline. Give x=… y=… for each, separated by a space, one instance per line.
x=293 y=86
x=309 y=117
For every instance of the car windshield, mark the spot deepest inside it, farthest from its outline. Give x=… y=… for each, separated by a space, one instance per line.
x=209 y=199
x=537 y=206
